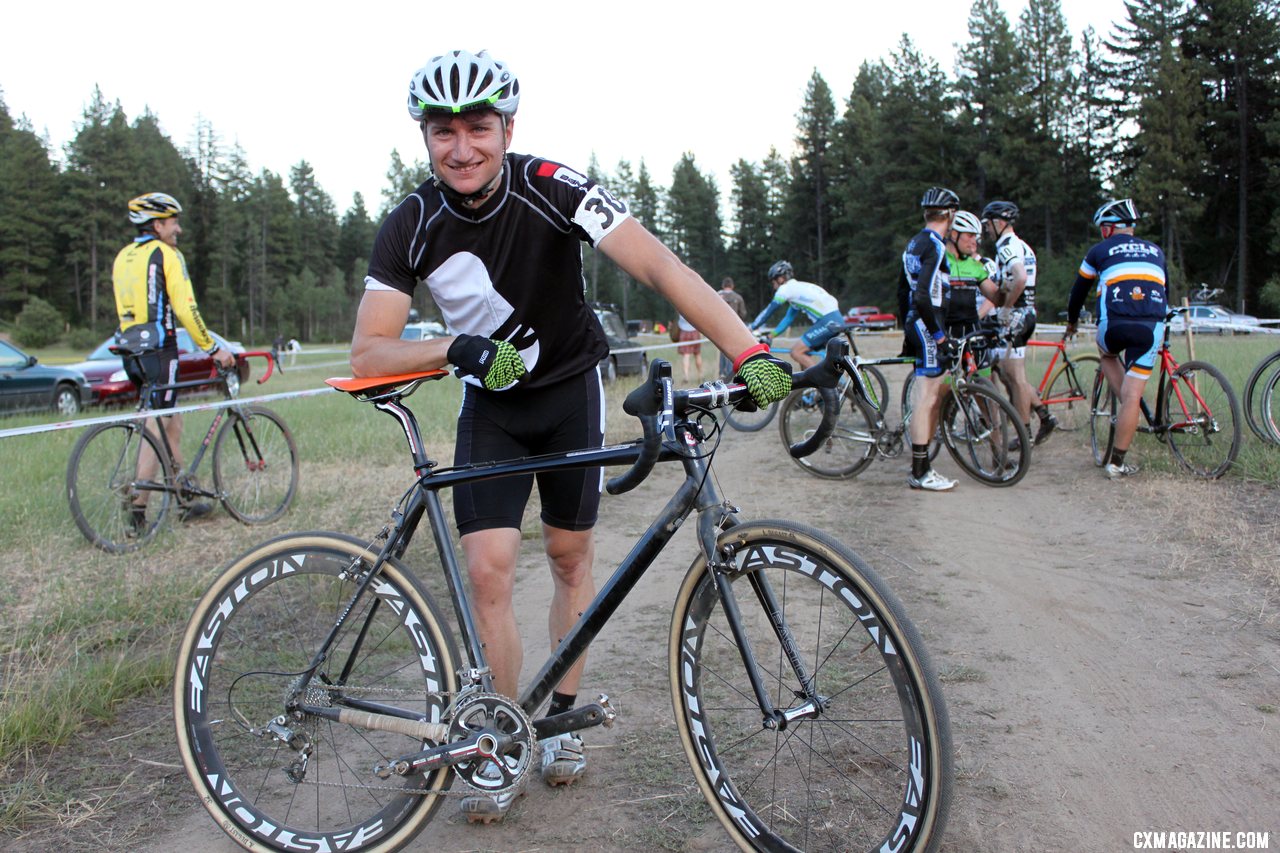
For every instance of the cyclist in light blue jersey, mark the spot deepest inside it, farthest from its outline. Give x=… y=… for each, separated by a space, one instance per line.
x=801 y=298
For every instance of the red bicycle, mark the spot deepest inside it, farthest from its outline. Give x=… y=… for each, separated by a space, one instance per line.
x=1064 y=385
x=1196 y=414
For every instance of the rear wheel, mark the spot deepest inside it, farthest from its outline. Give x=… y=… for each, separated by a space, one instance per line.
x=103 y=486
x=1102 y=418
x=864 y=761
x=1067 y=393
x=852 y=444
x=270 y=760
x=1203 y=419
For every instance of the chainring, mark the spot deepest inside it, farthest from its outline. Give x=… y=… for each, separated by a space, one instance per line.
x=499 y=773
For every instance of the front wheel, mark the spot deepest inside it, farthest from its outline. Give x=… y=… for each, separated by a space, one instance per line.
x=1203 y=419
x=1067 y=394
x=1257 y=412
x=255 y=465
x=1270 y=408
x=849 y=449
x=983 y=433
x=864 y=760
x=273 y=774
x=1103 y=408
x=112 y=467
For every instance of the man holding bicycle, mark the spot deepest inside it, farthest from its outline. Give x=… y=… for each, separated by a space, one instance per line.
x=927 y=276
x=1128 y=277
x=497 y=238
x=1016 y=279
x=153 y=294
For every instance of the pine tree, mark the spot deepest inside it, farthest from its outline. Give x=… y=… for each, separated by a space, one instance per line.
x=693 y=210
x=1236 y=44
x=809 y=202
x=29 y=183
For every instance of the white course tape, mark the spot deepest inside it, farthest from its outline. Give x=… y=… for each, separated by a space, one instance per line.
x=176 y=410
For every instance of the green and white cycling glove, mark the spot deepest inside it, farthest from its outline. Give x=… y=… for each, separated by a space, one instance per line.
x=497 y=364
x=766 y=376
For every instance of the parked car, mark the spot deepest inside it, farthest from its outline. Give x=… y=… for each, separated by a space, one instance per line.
x=108 y=384
x=619 y=362
x=422 y=331
x=1213 y=318
x=871 y=317
x=26 y=385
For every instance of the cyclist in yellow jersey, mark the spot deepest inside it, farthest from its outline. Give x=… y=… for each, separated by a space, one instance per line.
x=153 y=294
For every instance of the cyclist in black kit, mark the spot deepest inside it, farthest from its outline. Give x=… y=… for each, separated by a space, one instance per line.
x=497 y=238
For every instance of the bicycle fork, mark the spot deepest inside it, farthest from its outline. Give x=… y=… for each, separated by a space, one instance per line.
x=711 y=515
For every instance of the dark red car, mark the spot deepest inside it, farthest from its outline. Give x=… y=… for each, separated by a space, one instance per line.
x=108 y=384
x=871 y=317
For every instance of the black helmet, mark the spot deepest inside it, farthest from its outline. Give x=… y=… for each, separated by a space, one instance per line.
x=1122 y=212
x=940 y=197
x=1006 y=210
x=781 y=268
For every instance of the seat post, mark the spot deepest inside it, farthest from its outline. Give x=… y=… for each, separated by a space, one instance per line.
x=395 y=407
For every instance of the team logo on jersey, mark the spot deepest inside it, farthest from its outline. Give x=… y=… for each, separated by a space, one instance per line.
x=562 y=173
x=1137 y=294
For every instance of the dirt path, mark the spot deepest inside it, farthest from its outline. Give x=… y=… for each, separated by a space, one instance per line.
x=1101 y=680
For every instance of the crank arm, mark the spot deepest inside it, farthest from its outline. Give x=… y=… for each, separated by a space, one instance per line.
x=598 y=713
x=484 y=744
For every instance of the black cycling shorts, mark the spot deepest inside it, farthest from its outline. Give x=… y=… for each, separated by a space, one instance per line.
x=159 y=366
x=495 y=426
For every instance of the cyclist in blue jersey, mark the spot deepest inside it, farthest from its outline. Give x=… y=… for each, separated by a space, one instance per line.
x=801 y=299
x=496 y=238
x=927 y=274
x=1128 y=277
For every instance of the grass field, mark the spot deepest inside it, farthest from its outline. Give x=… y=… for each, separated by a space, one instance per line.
x=84 y=632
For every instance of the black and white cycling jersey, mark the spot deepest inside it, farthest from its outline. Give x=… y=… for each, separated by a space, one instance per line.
x=510 y=269
x=1012 y=250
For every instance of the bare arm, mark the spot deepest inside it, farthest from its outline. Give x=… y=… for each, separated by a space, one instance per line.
x=376 y=348
x=1016 y=283
x=648 y=261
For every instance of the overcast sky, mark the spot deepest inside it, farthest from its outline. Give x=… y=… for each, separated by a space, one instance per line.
x=329 y=85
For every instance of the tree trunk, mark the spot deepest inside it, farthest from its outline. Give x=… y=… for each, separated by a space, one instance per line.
x=1242 y=202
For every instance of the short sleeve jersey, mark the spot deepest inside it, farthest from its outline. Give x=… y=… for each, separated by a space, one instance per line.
x=966 y=275
x=1010 y=250
x=1129 y=278
x=928 y=276
x=152 y=286
x=510 y=269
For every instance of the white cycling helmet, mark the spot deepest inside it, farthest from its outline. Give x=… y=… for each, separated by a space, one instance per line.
x=1121 y=212
x=460 y=81
x=151 y=206
x=966 y=223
